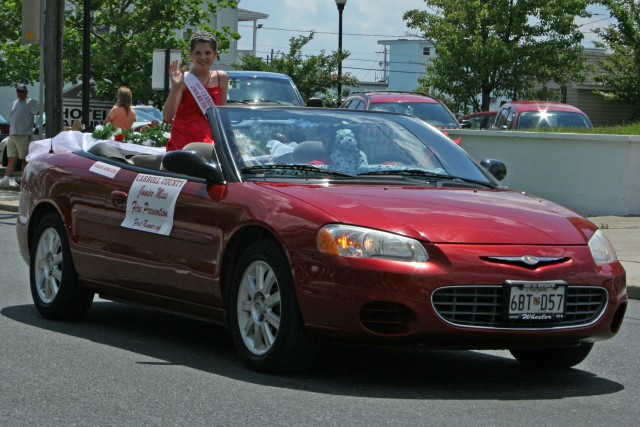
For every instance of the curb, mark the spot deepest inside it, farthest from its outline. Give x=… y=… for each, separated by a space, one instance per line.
x=8 y=207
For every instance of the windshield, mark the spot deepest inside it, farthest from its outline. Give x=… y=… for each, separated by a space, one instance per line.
x=148 y=113
x=262 y=90
x=552 y=119
x=435 y=114
x=312 y=142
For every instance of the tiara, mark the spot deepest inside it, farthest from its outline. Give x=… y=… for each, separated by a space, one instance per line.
x=203 y=35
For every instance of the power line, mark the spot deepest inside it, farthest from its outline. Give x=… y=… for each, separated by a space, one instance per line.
x=322 y=32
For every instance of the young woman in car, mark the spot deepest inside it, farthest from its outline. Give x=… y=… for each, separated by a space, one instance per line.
x=181 y=108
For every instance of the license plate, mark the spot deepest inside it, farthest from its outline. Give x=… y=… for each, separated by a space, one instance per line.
x=541 y=301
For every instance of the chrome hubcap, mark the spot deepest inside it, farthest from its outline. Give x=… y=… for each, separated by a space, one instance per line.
x=258 y=308
x=48 y=265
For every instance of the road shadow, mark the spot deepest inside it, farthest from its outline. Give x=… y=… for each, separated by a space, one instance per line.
x=8 y=218
x=165 y=339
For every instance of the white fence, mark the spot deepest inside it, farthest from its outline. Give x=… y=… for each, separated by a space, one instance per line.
x=593 y=175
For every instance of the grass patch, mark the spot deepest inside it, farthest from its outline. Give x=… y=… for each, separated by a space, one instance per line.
x=630 y=129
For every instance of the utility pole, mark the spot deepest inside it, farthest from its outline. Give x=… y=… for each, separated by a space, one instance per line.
x=86 y=63
x=53 y=28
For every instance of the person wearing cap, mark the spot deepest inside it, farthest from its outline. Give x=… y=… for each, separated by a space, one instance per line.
x=21 y=119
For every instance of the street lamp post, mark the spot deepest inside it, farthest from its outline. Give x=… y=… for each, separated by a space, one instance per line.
x=340 y=4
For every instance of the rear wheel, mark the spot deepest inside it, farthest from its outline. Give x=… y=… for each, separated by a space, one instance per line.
x=561 y=357
x=265 y=319
x=53 y=278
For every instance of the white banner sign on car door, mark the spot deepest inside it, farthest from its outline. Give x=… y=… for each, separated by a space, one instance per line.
x=151 y=202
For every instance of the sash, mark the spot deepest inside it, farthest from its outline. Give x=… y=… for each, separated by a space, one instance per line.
x=199 y=92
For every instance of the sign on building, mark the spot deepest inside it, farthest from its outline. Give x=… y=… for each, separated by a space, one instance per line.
x=98 y=110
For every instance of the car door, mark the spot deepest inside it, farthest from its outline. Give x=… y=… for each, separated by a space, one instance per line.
x=162 y=235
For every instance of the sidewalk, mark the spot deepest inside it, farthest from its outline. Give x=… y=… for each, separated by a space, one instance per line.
x=624 y=232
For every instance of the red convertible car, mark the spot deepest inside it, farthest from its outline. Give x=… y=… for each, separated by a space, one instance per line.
x=368 y=227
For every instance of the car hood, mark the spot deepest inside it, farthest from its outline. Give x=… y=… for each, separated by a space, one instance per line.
x=447 y=215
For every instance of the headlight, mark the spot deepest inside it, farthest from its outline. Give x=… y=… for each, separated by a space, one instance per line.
x=345 y=240
x=601 y=249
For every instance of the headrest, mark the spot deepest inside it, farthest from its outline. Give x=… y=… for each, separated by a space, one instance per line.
x=204 y=148
x=307 y=151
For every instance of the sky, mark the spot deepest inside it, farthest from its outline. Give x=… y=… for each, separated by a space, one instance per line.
x=364 y=23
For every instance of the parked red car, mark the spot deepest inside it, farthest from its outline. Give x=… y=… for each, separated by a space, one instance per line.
x=371 y=228
x=429 y=109
x=540 y=114
x=4 y=127
x=479 y=120
x=4 y=133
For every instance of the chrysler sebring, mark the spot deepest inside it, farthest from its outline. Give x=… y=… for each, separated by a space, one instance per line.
x=357 y=226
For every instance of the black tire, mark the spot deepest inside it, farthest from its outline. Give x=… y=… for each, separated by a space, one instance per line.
x=5 y=159
x=559 y=358
x=54 y=288
x=264 y=317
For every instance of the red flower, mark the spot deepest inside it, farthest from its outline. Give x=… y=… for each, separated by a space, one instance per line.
x=153 y=123
x=119 y=137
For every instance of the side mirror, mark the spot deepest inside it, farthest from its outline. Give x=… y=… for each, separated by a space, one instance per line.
x=192 y=163
x=495 y=167
x=314 y=102
x=465 y=124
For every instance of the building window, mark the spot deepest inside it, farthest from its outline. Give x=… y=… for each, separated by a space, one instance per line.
x=426 y=51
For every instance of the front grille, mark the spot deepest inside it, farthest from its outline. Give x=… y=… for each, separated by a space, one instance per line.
x=481 y=306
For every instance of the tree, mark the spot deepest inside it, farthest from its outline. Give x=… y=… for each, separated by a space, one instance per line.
x=123 y=36
x=19 y=63
x=314 y=75
x=622 y=63
x=499 y=47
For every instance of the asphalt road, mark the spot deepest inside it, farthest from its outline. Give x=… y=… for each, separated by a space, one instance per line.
x=125 y=365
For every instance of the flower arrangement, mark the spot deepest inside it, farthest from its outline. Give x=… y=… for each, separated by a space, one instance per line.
x=155 y=135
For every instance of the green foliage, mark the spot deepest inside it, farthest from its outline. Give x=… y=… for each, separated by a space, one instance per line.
x=123 y=36
x=104 y=132
x=630 y=129
x=19 y=63
x=622 y=63
x=313 y=74
x=155 y=135
x=499 y=47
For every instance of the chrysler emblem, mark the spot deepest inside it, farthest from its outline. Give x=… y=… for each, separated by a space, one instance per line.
x=530 y=259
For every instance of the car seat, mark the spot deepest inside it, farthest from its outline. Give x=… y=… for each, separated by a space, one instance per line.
x=307 y=151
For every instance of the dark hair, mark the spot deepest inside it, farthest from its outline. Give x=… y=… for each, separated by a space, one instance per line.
x=201 y=36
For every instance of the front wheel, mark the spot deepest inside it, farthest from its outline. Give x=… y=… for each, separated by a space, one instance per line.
x=52 y=275
x=559 y=358
x=264 y=317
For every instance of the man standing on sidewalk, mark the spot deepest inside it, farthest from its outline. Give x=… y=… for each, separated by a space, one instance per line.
x=23 y=111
